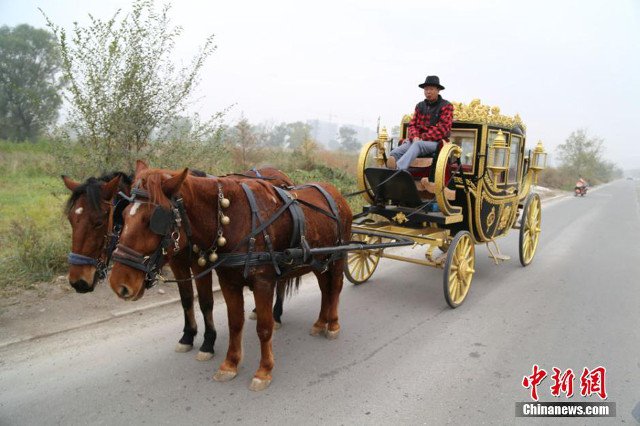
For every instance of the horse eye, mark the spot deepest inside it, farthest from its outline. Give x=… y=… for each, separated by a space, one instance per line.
x=98 y=225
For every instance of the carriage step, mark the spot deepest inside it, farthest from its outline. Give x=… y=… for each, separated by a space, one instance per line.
x=442 y=219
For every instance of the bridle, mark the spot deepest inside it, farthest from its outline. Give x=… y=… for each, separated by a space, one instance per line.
x=101 y=263
x=166 y=223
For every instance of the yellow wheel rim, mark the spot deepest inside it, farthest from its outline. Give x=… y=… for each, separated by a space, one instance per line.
x=530 y=230
x=459 y=269
x=370 y=156
x=361 y=264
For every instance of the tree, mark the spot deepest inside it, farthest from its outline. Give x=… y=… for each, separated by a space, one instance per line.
x=29 y=82
x=347 y=138
x=581 y=155
x=298 y=133
x=123 y=83
x=277 y=136
x=245 y=142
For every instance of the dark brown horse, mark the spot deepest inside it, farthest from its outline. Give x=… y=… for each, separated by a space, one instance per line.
x=90 y=210
x=232 y=219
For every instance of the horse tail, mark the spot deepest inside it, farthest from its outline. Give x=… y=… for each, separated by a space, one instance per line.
x=288 y=286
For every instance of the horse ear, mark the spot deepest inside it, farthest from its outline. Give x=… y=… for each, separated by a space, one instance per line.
x=109 y=189
x=70 y=183
x=171 y=186
x=140 y=166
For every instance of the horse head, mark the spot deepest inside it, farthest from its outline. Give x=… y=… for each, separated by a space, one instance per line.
x=152 y=228
x=89 y=212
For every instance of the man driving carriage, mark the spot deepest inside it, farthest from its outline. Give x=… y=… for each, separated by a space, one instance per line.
x=431 y=123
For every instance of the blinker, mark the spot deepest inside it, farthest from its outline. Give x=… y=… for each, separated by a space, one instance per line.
x=160 y=222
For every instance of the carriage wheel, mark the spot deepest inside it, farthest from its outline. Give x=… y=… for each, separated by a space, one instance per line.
x=530 y=228
x=369 y=157
x=459 y=269
x=361 y=264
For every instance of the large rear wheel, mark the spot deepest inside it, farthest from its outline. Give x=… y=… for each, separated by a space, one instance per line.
x=361 y=264
x=530 y=228
x=370 y=156
x=459 y=269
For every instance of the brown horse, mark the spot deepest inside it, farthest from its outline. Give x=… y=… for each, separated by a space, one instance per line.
x=90 y=210
x=232 y=219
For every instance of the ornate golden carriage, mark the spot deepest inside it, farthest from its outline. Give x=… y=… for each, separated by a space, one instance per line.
x=480 y=182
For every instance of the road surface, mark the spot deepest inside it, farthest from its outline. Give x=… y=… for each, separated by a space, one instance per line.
x=403 y=357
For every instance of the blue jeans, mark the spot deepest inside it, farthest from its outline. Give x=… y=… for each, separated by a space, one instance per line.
x=409 y=151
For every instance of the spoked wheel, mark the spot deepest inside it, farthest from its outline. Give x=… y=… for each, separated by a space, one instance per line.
x=361 y=264
x=530 y=228
x=459 y=268
x=370 y=156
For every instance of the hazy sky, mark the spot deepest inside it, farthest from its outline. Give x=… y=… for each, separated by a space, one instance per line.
x=560 y=64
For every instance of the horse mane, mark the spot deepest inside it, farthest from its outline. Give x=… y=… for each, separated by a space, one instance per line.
x=151 y=180
x=91 y=187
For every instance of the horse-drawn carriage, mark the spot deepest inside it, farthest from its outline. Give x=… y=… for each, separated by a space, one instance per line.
x=254 y=233
x=472 y=192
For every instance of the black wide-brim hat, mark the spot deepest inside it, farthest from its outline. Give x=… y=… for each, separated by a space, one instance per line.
x=431 y=80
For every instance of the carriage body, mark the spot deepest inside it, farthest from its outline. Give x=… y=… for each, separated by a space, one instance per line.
x=480 y=182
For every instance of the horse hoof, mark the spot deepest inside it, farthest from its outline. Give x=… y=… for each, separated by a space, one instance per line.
x=224 y=376
x=332 y=335
x=182 y=348
x=277 y=325
x=317 y=330
x=259 y=385
x=253 y=316
x=204 y=356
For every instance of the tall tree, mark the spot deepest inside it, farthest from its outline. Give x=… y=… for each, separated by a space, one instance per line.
x=347 y=138
x=581 y=155
x=30 y=82
x=277 y=136
x=123 y=82
x=298 y=133
x=245 y=142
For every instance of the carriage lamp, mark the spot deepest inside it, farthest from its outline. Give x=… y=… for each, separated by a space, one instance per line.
x=539 y=159
x=383 y=137
x=498 y=154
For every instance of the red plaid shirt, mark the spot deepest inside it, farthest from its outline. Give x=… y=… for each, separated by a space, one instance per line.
x=419 y=126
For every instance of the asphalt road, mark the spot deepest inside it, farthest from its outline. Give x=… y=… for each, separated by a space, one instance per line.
x=403 y=357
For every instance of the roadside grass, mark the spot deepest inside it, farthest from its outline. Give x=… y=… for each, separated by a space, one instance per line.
x=34 y=234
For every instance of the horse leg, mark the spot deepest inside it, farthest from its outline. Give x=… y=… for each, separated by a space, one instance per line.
x=330 y=283
x=278 y=306
x=335 y=272
x=181 y=271
x=263 y=295
x=320 y=326
x=235 y=314
x=205 y=298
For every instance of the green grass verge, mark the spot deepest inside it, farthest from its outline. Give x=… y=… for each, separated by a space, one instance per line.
x=34 y=234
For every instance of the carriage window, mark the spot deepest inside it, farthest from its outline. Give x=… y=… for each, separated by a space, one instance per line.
x=465 y=139
x=514 y=158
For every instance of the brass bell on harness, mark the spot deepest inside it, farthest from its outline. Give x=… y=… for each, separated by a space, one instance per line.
x=222 y=241
x=202 y=261
x=213 y=257
x=224 y=203
x=196 y=248
x=225 y=220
